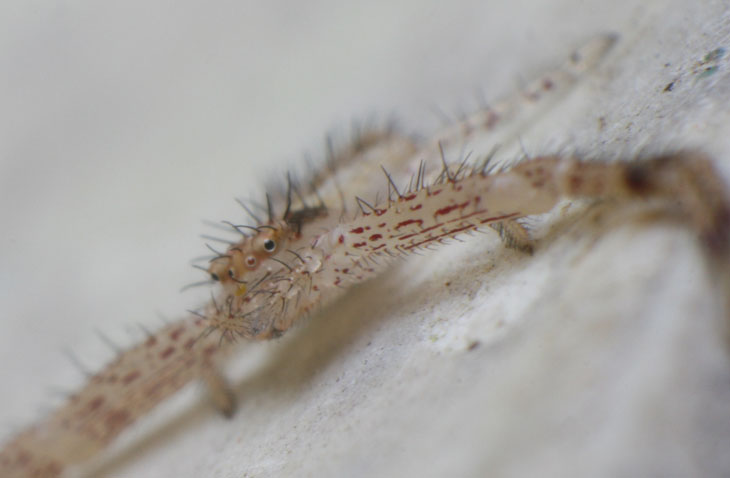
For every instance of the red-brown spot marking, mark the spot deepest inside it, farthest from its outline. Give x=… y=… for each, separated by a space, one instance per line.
x=416 y=207
x=337 y=280
x=96 y=403
x=151 y=342
x=116 y=420
x=380 y=212
x=359 y=244
x=435 y=192
x=410 y=196
x=547 y=84
x=131 y=377
x=357 y=230
x=452 y=207
x=375 y=237
x=175 y=334
x=575 y=182
x=382 y=224
x=23 y=458
x=189 y=343
x=408 y=222
x=209 y=350
x=315 y=287
x=345 y=270
x=341 y=239
x=167 y=352
x=378 y=247
x=446 y=210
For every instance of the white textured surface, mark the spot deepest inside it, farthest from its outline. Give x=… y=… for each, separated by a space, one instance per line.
x=123 y=125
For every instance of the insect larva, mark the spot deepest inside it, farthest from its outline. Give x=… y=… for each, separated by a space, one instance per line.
x=461 y=201
x=321 y=264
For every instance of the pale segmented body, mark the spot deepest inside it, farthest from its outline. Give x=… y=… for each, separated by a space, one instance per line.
x=356 y=250
x=325 y=252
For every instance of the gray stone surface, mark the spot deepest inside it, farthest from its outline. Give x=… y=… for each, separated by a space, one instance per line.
x=604 y=354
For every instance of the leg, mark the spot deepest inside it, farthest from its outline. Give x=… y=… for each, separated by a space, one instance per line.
x=514 y=235
x=220 y=391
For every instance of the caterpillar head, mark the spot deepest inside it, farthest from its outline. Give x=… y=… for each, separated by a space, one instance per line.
x=251 y=253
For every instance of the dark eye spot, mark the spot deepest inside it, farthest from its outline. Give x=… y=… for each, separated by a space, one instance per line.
x=214 y=276
x=269 y=245
x=231 y=274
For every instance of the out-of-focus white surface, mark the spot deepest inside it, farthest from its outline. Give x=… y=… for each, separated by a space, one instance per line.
x=123 y=125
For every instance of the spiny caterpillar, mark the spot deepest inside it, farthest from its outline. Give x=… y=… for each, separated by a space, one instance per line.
x=320 y=265
x=312 y=246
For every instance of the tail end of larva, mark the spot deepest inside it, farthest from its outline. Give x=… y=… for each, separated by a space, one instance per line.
x=691 y=179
